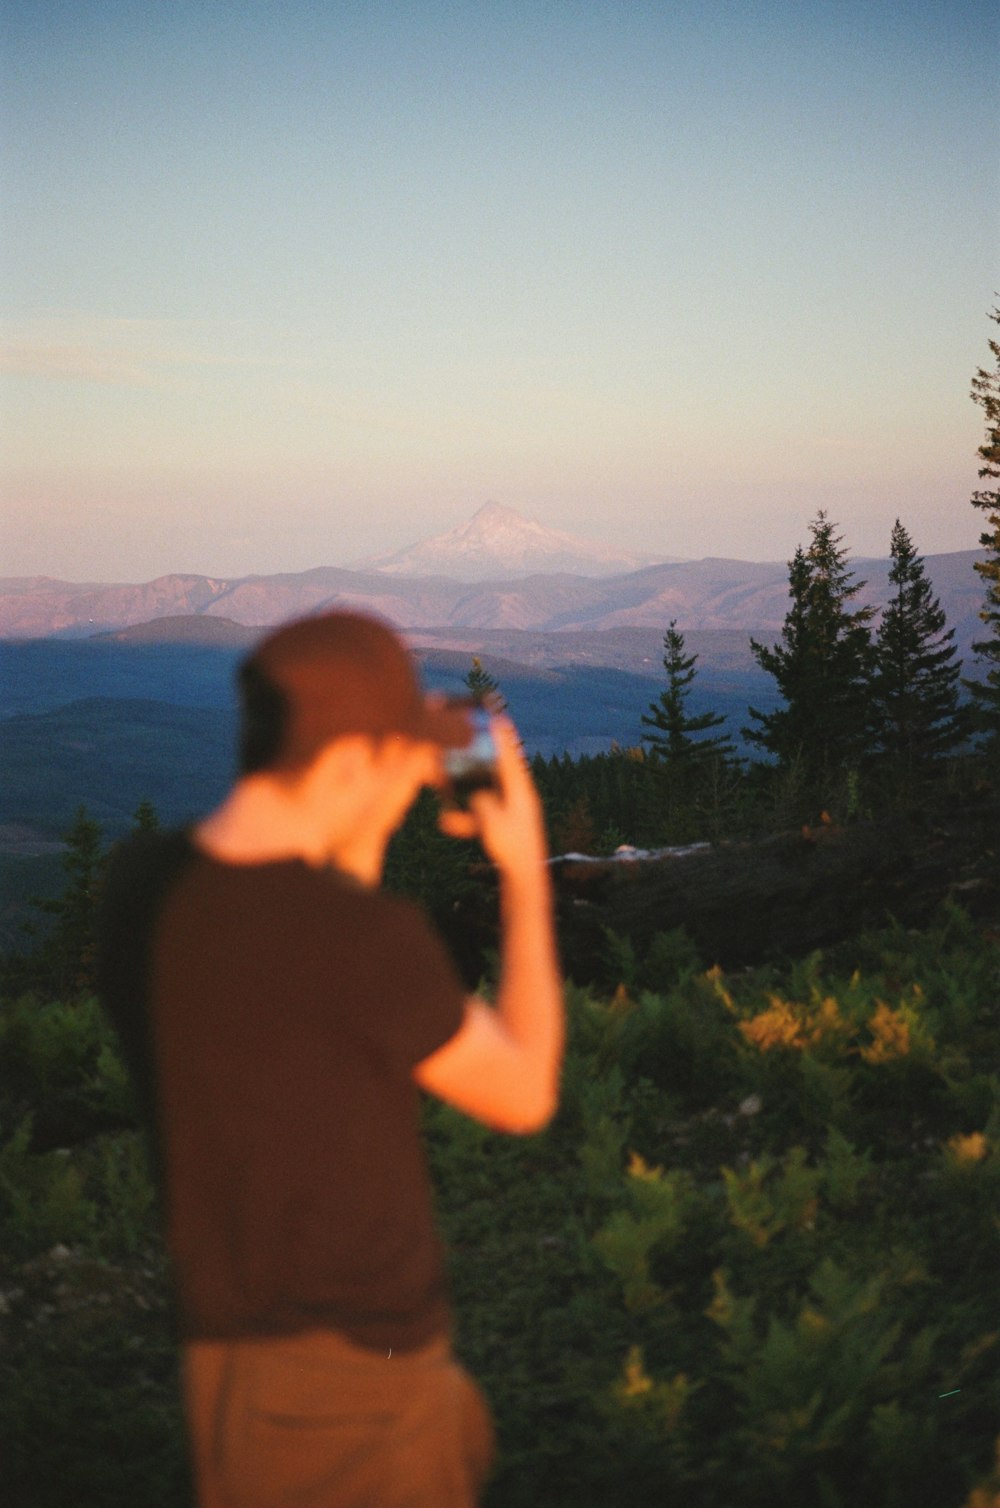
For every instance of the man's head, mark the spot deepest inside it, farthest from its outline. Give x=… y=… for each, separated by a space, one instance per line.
x=336 y=740
x=336 y=675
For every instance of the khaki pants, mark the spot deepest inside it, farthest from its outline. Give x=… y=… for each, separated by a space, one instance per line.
x=315 y=1421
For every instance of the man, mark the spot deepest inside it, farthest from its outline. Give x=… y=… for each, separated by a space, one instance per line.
x=279 y=1011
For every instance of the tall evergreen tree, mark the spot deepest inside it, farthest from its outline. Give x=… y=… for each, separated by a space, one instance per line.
x=484 y=686
x=674 y=739
x=915 y=686
x=682 y=763
x=986 y=392
x=145 y=818
x=65 y=962
x=823 y=666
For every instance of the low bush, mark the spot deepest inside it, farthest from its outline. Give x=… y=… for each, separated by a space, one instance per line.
x=752 y=1260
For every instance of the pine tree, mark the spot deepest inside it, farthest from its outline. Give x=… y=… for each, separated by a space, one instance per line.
x=823 y=666
x=680 y=762
x=986 y=392
x=674 y=740
x=65 y=962
x=485 y=687
x=145 y=818
x=915 y=686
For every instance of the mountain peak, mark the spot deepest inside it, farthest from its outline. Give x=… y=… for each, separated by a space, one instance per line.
x=493 y=509
x=499 y=544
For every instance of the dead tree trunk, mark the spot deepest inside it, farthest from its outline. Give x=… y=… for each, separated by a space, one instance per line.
x=746 y=902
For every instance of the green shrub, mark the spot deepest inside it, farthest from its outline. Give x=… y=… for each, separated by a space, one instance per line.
x=42 y=1199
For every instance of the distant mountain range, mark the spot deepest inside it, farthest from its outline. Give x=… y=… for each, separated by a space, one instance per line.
x=712 y=594
x=499 y=544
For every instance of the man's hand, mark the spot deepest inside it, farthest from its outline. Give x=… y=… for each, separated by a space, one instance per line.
x=509 y=823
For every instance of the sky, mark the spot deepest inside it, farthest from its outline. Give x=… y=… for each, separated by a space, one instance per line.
x=284 y=286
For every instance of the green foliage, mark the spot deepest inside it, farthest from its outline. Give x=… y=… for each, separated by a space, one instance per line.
x=822 y=666
x=89 y=1401
x=986 y=393
x=595 y=802
x=836 y=1333
x=50 y=1045
x=735 y=1268
x=426 y=865
x=99 y=1197
x=660 y=1205
x=484 y=687
x=42 y=1200
x=625 y=1243
x=63 y=959
x=63 y=1081
x=145 y=818
x=64 y=964
x=62 y=1058
x=811 y=1384
x=770 y=1197
x=915 y=688
x=126 y=1197
x=40 y=876
x=674 y=738
x=604 y=1131
x=846 y=1173
x=678 y=1035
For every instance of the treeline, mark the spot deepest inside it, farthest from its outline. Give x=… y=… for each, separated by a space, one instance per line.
x=871 y=717
x=58 y=956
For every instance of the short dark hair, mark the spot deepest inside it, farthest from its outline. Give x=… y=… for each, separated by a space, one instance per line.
x=265 y=713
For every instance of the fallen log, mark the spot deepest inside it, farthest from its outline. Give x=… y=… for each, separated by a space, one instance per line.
x=745 y=902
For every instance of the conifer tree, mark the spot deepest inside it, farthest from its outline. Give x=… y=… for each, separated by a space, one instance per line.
x=681 y=763
x=674 y=737
x=145 y=818
x=915 y=689
x=65 y=962
x=823 y=666
x=986 y=392
x=484 y=686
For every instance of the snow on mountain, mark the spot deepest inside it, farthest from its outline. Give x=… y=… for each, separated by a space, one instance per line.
x=499 y=544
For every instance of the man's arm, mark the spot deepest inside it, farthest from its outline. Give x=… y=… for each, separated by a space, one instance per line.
x=502 y=1065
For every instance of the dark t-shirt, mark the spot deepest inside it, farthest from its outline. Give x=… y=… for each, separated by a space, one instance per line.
x=271 y=1015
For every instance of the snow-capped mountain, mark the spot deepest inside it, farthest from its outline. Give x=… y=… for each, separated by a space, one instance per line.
x=500 y=544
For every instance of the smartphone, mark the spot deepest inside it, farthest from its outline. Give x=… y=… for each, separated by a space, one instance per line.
x=473 y=768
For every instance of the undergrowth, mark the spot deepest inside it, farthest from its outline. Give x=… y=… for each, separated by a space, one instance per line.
x=751 y=1261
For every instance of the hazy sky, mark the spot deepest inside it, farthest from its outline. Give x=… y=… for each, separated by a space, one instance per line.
x=287 y=284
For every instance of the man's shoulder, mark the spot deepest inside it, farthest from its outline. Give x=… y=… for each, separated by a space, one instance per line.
x=384 y=907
